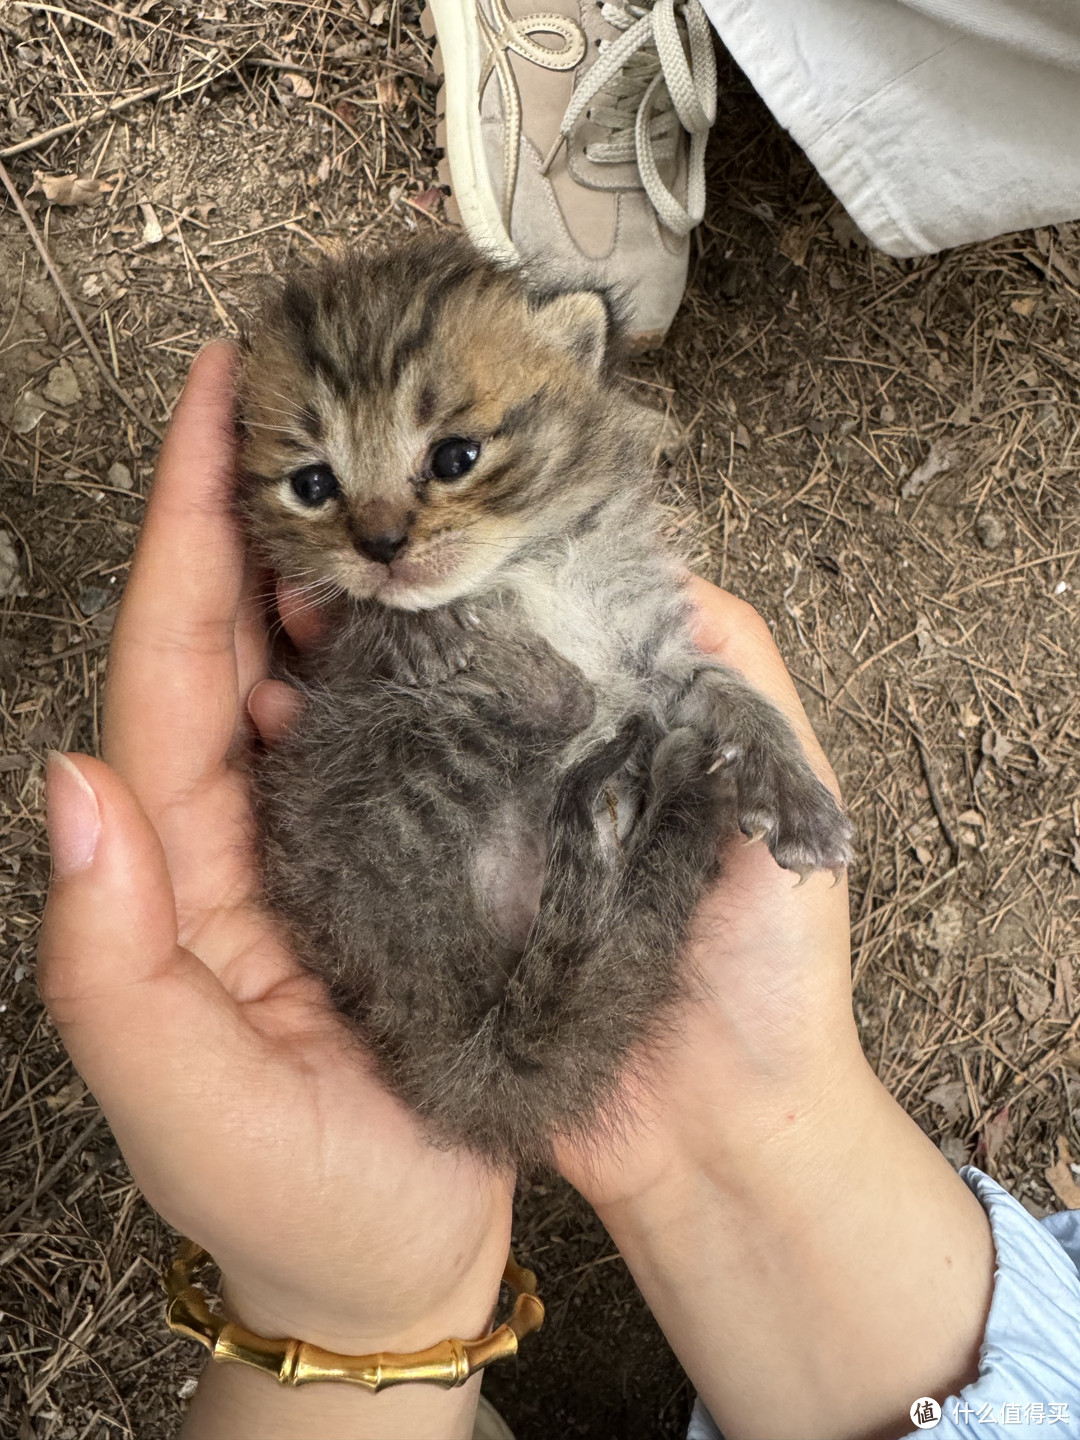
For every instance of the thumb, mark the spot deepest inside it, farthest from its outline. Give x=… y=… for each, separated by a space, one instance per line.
x=108 y=958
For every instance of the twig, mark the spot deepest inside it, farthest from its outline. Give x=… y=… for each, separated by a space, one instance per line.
x=87 y=648
x=870 y=660
x=934 y=792
x=95 y=354
x=167 y=86
x=1004 y=575
x=49 y=1179
x=91 y=119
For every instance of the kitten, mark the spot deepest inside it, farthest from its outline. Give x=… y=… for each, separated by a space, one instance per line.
x=514 y=769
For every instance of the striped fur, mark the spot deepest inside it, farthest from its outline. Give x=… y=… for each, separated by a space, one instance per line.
x=514 y=770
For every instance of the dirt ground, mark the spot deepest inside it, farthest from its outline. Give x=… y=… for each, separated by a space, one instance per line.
x=880 y=454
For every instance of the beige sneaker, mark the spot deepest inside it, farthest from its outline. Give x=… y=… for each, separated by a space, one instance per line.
x=575 y=138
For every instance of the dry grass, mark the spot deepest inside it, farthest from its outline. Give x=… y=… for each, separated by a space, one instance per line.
x=881 y=454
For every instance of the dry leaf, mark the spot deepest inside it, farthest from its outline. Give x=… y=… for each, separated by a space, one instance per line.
x=947 y=925
x=152 y=231
x=429 y=200
x=378 y=15
x=845 y=231
x=939 y=460
x=387 y=92
x=300 y=85
x=62 y=386
x=1033 y=995
x=10 y=571
x=994 y=1134
x=996 y=745
x=66 y=1095
x=346 y=111
x=68 y=189
x=1023 y=307
x=29 y=408
x=990 y=530
x=1061 y=1178
x=955 y=1150
x=951 y=1095
x=928 y=641
x=795 y=242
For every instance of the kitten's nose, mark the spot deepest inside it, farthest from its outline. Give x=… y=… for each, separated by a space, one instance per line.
x=382 y=547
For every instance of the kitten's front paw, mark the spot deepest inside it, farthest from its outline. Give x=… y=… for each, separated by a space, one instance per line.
x=781 y=801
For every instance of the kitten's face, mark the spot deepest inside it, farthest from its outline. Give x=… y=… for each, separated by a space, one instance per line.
x=412 y=422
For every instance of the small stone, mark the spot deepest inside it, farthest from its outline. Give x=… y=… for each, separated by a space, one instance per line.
x=92 y=599
x=62 y=386
x=990 y=529
x=10 y=571
x=119 y=476
x=29 y=408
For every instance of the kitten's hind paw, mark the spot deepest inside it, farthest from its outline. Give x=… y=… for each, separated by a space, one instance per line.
x=787 y=806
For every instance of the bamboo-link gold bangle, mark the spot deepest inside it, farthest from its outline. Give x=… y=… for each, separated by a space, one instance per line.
x=295 y=1362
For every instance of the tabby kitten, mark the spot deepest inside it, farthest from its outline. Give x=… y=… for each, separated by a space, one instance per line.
x=514 y=769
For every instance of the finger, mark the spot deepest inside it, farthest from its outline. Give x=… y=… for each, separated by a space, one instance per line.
x=735 y=633
x=109 y=966
x=274 y=707
x=302 y=621
x=172 y=697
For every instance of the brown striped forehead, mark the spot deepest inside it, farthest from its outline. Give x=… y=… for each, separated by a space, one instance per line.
x=360 y=323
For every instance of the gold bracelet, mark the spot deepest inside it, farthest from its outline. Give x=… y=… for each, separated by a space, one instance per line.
x=294 y=1362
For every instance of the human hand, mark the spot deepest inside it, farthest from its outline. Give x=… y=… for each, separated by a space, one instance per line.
x=811 y=1258
x=245 y=1111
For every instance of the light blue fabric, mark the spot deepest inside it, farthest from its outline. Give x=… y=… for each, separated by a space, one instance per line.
x=1029 y=1364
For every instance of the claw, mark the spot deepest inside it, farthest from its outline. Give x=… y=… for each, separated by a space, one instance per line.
x=726 y=756
x=838 y=873
x=804 y=874
x=756 y=835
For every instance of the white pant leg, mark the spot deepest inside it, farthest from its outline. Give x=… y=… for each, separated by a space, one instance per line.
x=934 y=122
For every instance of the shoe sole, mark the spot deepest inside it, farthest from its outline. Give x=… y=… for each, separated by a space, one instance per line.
x=458 y=130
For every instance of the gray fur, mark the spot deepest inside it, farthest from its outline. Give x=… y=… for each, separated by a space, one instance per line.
x=508 y=790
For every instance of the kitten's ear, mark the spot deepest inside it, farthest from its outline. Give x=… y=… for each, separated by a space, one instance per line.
x=579 y=322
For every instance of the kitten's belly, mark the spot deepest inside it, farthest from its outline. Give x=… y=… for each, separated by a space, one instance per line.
x=508 y=874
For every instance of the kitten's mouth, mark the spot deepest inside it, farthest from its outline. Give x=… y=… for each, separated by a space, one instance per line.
x=417 y=578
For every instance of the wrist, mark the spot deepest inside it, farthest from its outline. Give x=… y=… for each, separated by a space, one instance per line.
x=818 y=1250
x=735 y=1151
x=740 y=1113
x=408 y=1307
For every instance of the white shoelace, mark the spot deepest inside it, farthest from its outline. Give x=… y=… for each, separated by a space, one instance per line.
x=642 y=88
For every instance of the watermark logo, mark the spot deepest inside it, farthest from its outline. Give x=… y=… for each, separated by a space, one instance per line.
x=925 y=1413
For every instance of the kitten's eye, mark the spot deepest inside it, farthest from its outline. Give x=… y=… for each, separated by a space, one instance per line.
x=314 y=485
x=451 y=459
